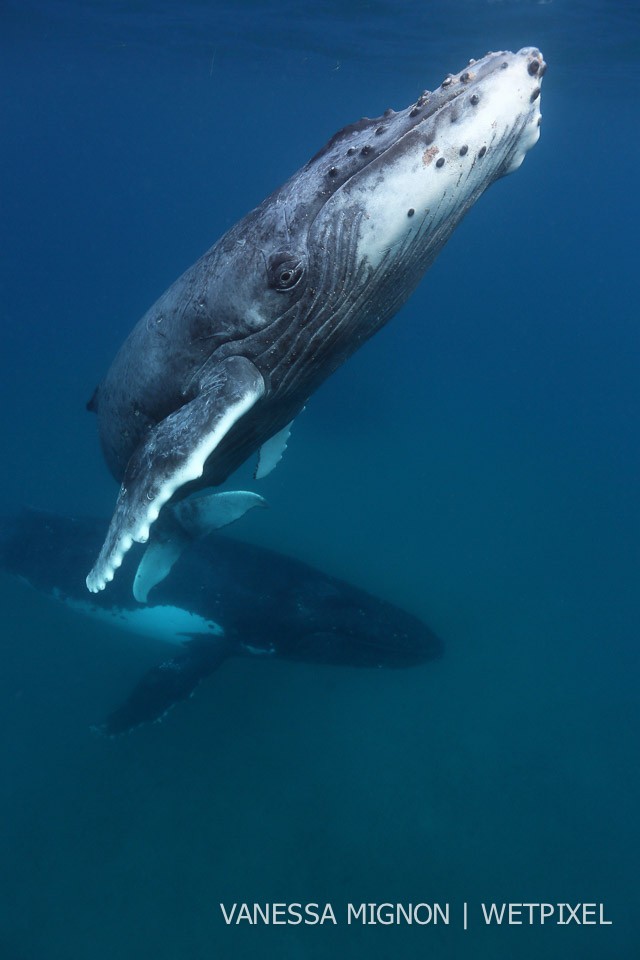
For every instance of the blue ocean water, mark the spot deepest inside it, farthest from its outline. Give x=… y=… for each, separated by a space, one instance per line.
x=476 y=463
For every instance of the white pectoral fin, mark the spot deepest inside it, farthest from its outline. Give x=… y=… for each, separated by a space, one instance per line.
x=272 y=451
x=173 y=454
x=198 y=516
x=180 y=525
x=156 y=564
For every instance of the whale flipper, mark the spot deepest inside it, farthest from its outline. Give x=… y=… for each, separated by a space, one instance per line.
x=271 y=452
x=174 y=453
x=182 y=523
x=165 y=685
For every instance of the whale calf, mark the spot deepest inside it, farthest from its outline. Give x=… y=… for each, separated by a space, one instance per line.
x=223 y=362
x=223 y=598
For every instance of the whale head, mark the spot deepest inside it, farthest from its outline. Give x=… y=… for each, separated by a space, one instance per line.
x=396 y=187
x=335 y=252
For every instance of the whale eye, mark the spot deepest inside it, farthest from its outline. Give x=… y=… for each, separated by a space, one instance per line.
x=284 y=271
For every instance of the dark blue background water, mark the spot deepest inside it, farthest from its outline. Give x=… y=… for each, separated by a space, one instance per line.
x=477 y=462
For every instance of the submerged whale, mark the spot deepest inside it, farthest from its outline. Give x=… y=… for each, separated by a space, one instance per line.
x=224 y=598
x=220 y=366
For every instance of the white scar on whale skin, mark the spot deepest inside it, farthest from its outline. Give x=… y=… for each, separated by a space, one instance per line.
x=112 y=554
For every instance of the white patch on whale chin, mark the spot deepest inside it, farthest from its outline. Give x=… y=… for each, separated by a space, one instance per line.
x=435 y=194
x=165 y=623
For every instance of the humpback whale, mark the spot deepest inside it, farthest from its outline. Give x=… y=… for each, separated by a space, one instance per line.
x=222 y=363
x=224 y=598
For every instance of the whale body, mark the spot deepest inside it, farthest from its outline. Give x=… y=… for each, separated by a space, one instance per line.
x=223 y=598
x=221 y=365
